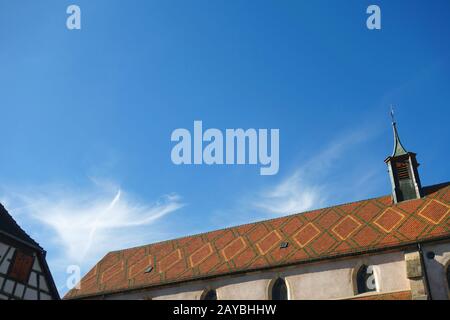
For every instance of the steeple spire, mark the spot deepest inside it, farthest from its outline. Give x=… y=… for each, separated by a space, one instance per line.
x=398 y=147
x=403 y=173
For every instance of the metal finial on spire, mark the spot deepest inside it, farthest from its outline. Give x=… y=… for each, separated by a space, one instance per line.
x=398 y=147
x=392 y=114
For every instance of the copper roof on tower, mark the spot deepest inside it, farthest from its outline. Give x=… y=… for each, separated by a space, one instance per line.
x=399 y=150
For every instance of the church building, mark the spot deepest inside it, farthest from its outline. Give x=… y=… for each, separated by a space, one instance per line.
x=391 y=247
x=24 y=273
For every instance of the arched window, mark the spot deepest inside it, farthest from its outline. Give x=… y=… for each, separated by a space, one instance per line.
x=279 y=290
x=209 y=295
x=365 y=279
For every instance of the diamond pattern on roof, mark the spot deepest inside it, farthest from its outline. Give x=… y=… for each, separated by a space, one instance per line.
x=351 y=228
x=327 y=219
x=389 y=219
x=435 y=211
x=201 y=255
x=323 y=243
x=306 y=234
x=268 y=242
x=344 y=228
x=211 y=262
x=368 y=211
x=366 y=237
x=113 y=271
x=234 y=248
x=412 y=228
x=292 y=226
x=170 y=260
x=139 y=266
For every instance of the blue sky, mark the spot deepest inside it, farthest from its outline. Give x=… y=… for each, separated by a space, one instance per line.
x=86 y=115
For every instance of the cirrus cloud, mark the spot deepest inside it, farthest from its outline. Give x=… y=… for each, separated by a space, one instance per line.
x=79 y=226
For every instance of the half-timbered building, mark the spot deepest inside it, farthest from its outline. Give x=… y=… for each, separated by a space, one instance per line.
x=24 y=273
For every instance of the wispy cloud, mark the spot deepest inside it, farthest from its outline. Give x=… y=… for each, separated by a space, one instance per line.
x=310 y=185
x=81 y=226
x=293 y=194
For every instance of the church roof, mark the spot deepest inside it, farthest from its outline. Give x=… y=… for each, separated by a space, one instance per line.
x=339 y=231
x=9 y=227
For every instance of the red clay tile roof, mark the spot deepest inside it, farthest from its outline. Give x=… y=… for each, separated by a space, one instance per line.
x=320 y=234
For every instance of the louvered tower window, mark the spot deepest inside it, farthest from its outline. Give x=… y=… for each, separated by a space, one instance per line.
x=403 y=170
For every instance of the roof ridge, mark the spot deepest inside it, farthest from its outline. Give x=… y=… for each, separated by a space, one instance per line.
x=266 y=220
x=22 y=234
x=245 y=224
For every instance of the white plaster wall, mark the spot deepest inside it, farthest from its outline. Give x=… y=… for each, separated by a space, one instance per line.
x=193 y=294
x=327 y=280
x=334 y=280
x=330 y=281
x=252 y=286
x=390 y=272
x=436 y=270
x=190 y=291
x=245 y=289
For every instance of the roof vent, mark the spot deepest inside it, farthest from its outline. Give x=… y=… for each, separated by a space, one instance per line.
x=149 y=269
x=284 y=245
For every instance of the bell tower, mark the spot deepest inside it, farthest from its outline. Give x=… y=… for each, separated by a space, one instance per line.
x=402 y=168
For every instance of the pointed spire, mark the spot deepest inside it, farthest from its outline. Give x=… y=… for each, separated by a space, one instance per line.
x=398 y=147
